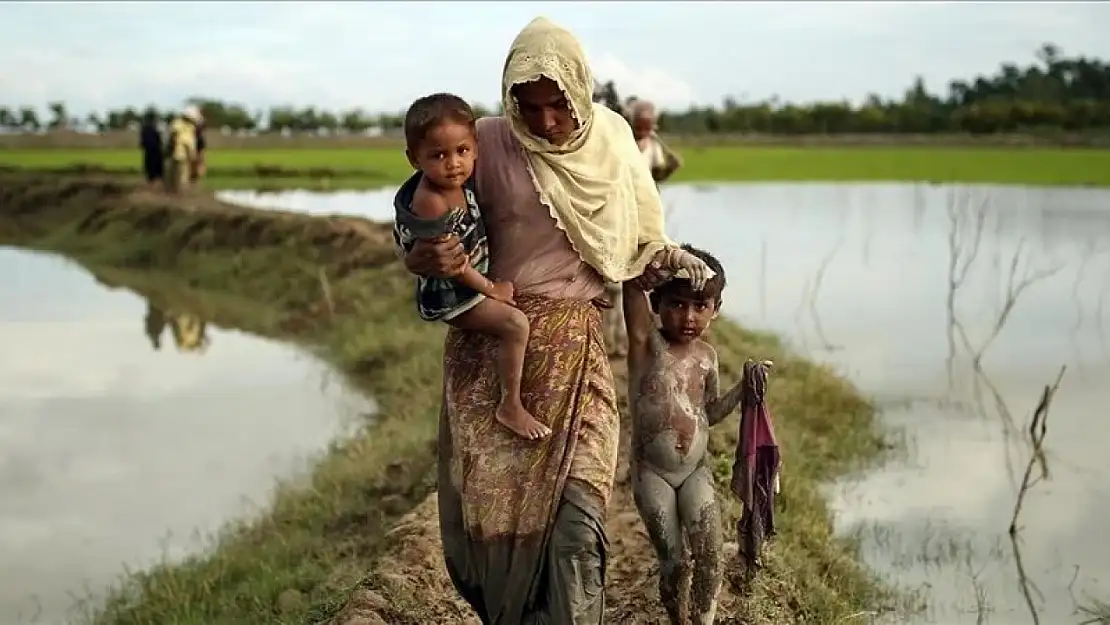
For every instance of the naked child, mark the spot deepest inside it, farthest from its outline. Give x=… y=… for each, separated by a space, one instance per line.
x=674 y=400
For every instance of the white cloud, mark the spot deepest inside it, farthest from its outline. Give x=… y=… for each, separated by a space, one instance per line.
x=362 y=54
x=653 y=83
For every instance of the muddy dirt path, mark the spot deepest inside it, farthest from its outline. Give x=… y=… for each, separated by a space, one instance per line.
x=412 y=571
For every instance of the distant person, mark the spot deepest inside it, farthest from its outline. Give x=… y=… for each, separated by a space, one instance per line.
x=662 y=161
x=183 y=149
x=150 y=142
x=197 y=171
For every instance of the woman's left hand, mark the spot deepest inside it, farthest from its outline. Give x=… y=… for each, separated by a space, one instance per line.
x=694 y=268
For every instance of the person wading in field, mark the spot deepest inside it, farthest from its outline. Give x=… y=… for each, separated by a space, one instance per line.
x=182 y=149
x=663 y=163
x=568 y=203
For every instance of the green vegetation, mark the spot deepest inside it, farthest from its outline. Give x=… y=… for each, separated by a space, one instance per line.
x=1096 y=613
x=346 y=168
x=1056 y=92
x=334 y=286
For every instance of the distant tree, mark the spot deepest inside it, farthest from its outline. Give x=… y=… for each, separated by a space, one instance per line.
x=1054 y=91
x=58 y=117
x=29 y=119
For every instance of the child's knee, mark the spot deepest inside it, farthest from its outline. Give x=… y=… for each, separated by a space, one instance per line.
x=516 y=325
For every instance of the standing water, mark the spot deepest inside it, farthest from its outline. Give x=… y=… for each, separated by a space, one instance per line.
x=953 y=307
x=127 y=432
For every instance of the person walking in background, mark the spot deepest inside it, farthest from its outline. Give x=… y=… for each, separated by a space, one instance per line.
x=150 y=142
x=183 y=149
x=662 y=161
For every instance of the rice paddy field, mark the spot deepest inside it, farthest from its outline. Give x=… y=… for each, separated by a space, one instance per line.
x=380 y=165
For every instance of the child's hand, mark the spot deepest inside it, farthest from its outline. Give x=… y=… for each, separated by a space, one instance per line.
x=503 y=292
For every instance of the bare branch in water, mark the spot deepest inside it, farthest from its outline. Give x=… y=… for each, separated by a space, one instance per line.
x=1038 y=429
x=763 y=277
x=957 y=273
x=1099 y=323
x=1014 y=289
x=818 y=278
x=798 y=312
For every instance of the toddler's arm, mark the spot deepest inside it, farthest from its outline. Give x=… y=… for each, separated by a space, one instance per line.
x=718 y=407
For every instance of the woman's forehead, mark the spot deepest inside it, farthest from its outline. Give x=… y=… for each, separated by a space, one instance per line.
x=541 y=91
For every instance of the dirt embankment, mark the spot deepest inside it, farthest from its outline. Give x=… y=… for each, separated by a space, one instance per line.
x=350 y=296
x=258 y=171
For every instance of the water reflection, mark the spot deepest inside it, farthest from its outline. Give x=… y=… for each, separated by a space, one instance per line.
x=953 y=306
x=189 y=331
x=964 y=300
x=112 y=454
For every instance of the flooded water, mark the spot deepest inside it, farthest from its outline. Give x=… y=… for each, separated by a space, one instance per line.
x=114 y=453
x=861 y=276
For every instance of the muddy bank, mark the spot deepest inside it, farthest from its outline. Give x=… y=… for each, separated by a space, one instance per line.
x=334 y=284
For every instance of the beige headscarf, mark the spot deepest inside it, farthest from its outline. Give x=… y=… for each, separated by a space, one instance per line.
x=596 y=185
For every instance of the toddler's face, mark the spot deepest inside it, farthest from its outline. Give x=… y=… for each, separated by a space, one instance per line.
x=446 y=155
x=685 y=314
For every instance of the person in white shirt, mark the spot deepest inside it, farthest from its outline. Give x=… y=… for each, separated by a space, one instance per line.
x=662 y=161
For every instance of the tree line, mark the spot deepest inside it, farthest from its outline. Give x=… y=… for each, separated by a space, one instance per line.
x=1054 y=93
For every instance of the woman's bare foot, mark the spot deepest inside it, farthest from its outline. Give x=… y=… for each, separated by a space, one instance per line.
x=512 y=415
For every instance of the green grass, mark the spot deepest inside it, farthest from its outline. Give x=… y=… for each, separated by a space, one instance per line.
x=260 y=272
x=1041 y=166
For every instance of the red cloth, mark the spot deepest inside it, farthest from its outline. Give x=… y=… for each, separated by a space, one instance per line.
x=756 y=431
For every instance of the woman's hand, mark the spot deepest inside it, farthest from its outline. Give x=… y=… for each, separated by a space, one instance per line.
x=688 y=266
x=442 y=258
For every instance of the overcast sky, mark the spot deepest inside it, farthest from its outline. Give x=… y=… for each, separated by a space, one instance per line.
x=382 y=55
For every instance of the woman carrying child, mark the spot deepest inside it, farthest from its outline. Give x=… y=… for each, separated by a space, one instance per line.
x=567 y=202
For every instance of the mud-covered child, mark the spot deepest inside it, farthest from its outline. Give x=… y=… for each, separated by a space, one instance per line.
x=438 y=202
x=674 y=400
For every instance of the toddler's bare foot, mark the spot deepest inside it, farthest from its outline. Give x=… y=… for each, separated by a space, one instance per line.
x=512 y=415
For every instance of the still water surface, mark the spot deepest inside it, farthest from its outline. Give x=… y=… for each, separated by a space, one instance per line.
x=114 y=453
x=859 y=276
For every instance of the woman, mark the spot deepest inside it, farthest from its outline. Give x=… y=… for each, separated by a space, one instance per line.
x=568 y=203
x=183 y=148
x=663 y=163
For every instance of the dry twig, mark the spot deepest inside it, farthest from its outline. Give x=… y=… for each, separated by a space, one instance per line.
x=1038 y=429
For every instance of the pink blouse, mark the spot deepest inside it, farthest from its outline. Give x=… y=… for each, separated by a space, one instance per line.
x=526 y=247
